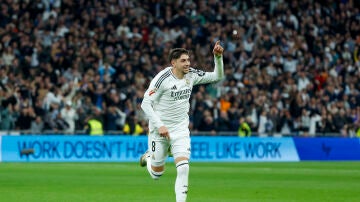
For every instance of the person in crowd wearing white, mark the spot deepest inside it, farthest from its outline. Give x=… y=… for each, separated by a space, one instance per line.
x=70 y=116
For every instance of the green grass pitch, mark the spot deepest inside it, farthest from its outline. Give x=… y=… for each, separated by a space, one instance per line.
x=209 y=182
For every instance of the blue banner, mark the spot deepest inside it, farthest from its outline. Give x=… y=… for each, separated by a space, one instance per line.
x=129 y=149
x=73 y=148
x=236 y=149
x=331 y=148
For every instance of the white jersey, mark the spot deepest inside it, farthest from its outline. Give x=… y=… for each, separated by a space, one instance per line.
x=166 y=101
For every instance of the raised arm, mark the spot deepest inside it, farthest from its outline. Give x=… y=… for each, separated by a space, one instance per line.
x=218 y=59
x=218 y=73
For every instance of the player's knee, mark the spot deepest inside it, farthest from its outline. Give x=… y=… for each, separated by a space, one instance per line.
x=182 y=167
x=158 y=168
x=156 y=175
x=157 y=171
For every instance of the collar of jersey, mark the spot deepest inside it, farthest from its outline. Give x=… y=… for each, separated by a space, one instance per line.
x=172 y=74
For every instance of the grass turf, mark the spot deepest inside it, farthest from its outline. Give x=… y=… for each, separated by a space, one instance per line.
x=209 y=182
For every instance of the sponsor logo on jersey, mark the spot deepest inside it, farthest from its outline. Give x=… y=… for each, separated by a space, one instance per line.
x=152 y=91
x=174 y=88
x=181 y=95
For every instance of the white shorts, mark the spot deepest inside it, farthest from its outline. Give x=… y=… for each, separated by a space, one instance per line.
x=159 y=148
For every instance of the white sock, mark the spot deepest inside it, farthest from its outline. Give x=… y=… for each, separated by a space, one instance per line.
x=182 y=180
x=153 y=174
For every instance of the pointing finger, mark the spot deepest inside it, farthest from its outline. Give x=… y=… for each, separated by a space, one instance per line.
x=217 y=43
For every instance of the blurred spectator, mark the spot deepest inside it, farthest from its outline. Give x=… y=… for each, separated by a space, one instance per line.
x=305 y=122
x=264 y=124
x=207 y=123
x=222 y=123
x=315 y=118
x=27 y=115
x=132 y=126
x=327 y=125
x=286 y=122
x=106 y=72
x=95 y=122
x=244 y=128
x=7 y=118
x=111 y=119
x=60 y=125
x=8 y=56
x=69 y=115
x=94 y=127
x=37 y=126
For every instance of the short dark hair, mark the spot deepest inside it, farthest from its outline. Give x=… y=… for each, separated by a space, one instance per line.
x=177 y=52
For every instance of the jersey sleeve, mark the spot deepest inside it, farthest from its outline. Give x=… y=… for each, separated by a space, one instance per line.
x=202 y=77
x=151 y=95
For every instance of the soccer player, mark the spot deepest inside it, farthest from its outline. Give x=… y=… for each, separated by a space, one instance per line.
x=166 y=104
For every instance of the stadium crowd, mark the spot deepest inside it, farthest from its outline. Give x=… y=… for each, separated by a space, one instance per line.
x=291 y=67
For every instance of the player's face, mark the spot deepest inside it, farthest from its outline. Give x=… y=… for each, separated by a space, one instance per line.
x=182 y=64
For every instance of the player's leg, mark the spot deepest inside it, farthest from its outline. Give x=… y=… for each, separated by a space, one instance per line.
x=157 y=154
x=181 y=151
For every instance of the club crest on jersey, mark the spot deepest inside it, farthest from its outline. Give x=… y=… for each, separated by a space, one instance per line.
x=187 y=81
x=152 y=91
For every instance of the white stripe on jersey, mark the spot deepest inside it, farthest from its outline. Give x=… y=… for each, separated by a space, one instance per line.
x=161 y=79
